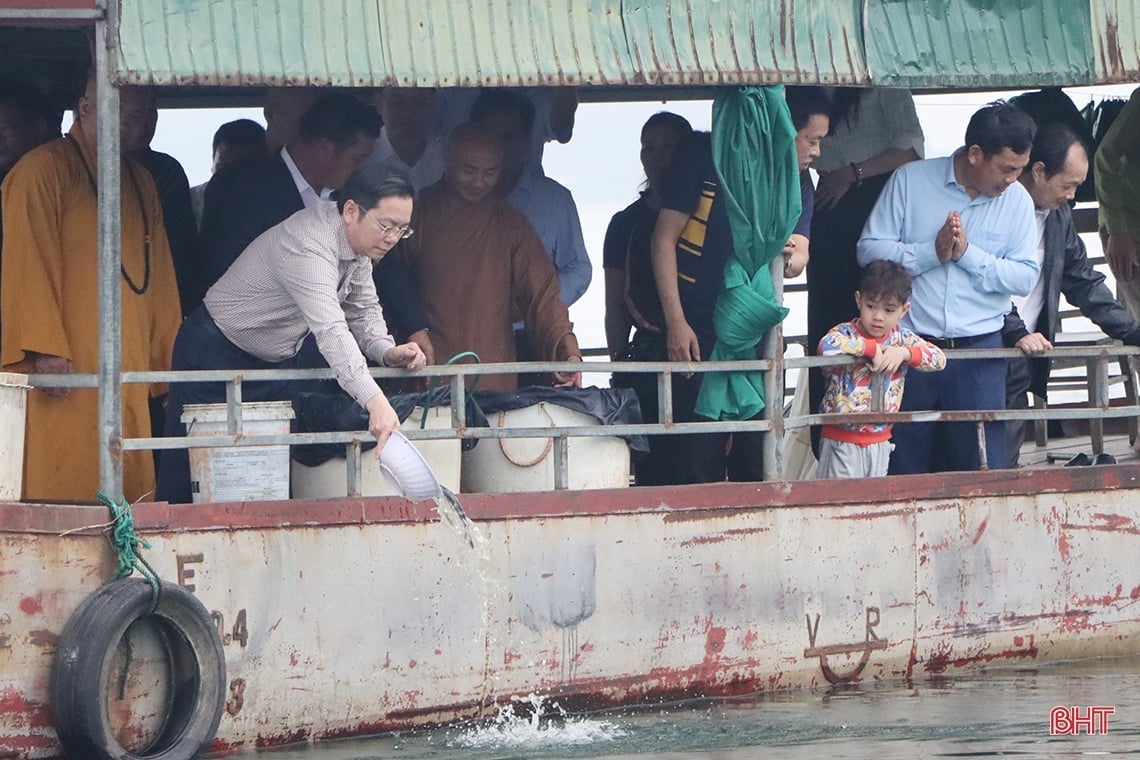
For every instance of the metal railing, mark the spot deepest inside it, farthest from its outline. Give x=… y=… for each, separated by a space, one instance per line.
x=1097 y=357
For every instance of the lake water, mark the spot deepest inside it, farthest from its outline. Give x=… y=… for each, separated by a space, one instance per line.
x=999 y=714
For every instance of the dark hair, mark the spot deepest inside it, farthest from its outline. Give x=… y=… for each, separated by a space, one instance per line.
x=78 y=85
x=499 y=99
x=240 y=133
x=886 y=279
x=30 y=98
x=671 y=121
x=1000 y=125
x=806 y=102
x=371 y=184
x=1051 y=146
x=339 y=118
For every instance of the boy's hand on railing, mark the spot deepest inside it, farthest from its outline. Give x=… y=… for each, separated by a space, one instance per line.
x=889 y=358
x=1034 y=344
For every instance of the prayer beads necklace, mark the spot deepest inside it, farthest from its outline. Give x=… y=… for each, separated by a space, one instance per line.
x=136 y=289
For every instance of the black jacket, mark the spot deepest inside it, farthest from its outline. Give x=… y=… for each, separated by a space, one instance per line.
x=244 y=200
x=1067 y=270
x=181 y=227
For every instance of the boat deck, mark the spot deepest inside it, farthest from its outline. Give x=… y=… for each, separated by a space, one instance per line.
x=1058 y=451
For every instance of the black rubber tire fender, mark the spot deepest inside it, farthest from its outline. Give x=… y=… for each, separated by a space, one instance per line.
x=82 y=675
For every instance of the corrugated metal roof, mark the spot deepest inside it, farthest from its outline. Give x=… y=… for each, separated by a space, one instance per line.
x=1116 y=40
x=504 y=42
x=489 y=42
x=907 y=43
x=758 y=42
x=979 y=43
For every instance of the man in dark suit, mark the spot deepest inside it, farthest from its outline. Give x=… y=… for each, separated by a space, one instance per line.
x=335 y=135
x=1058 y=164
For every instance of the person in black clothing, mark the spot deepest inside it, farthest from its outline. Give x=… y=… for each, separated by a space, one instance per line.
x=235 y=141
x=28 y=119
x=1058 y=164
x=631 y=293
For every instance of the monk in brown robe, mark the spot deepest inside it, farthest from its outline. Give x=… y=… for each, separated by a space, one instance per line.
x=478 y=264
x=50 y=312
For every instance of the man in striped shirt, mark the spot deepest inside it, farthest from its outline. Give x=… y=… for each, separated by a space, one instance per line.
x=311 y=273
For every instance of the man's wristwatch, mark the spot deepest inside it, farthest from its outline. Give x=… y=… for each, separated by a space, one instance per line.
x=858 y=171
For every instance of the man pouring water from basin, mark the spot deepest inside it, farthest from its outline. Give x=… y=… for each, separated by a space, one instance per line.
x=310 y=273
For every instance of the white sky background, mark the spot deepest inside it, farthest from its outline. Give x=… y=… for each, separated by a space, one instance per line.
x=600 y=166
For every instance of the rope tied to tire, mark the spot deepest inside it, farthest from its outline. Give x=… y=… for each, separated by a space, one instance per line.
x=126 y=543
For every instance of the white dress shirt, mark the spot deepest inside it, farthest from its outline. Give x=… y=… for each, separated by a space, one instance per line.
x=309 y=196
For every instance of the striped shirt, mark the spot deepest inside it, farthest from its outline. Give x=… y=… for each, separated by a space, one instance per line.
x=301 y=276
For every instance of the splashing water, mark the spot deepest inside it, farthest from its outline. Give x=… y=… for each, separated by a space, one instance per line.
x=533 y=723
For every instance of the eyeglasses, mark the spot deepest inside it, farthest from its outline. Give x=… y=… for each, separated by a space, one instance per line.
x=386 y=230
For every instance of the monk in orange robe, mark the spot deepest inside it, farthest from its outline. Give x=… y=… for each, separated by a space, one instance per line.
x=49 y=306
x=478 y=264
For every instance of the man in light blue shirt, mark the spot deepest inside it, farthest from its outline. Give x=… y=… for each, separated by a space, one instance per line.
x=964 y=229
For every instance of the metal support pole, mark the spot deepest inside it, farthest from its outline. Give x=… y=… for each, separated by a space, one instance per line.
x=773 y=465
x=878 y=390
x=353 y=469
x=234 y=424
x=1098 y=398
x=110 y=259
x=983 y=462
x=561 y=463
x=665 y=397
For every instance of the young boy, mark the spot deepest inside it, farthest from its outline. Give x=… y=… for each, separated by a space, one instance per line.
x=883 y=297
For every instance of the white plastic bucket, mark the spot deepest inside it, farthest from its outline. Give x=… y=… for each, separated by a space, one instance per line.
x=330 y=479
x=509 y=465
x=239 y=473
x=13 y=416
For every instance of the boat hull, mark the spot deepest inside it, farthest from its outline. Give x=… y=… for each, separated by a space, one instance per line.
x=356 y=616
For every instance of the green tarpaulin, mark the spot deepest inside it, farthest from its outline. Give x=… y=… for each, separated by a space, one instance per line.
x=753 y=143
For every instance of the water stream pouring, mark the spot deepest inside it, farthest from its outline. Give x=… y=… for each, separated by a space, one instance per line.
x=451 y=512
x=411 y=476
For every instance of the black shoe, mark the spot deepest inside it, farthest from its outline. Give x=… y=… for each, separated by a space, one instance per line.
x=1104 y=459
x=1080 y=460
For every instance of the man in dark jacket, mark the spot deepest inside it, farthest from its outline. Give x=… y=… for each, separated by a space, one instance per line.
x=1057 y=166
x=334 y=137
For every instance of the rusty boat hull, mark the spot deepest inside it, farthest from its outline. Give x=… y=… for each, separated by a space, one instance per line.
x=357 y=616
